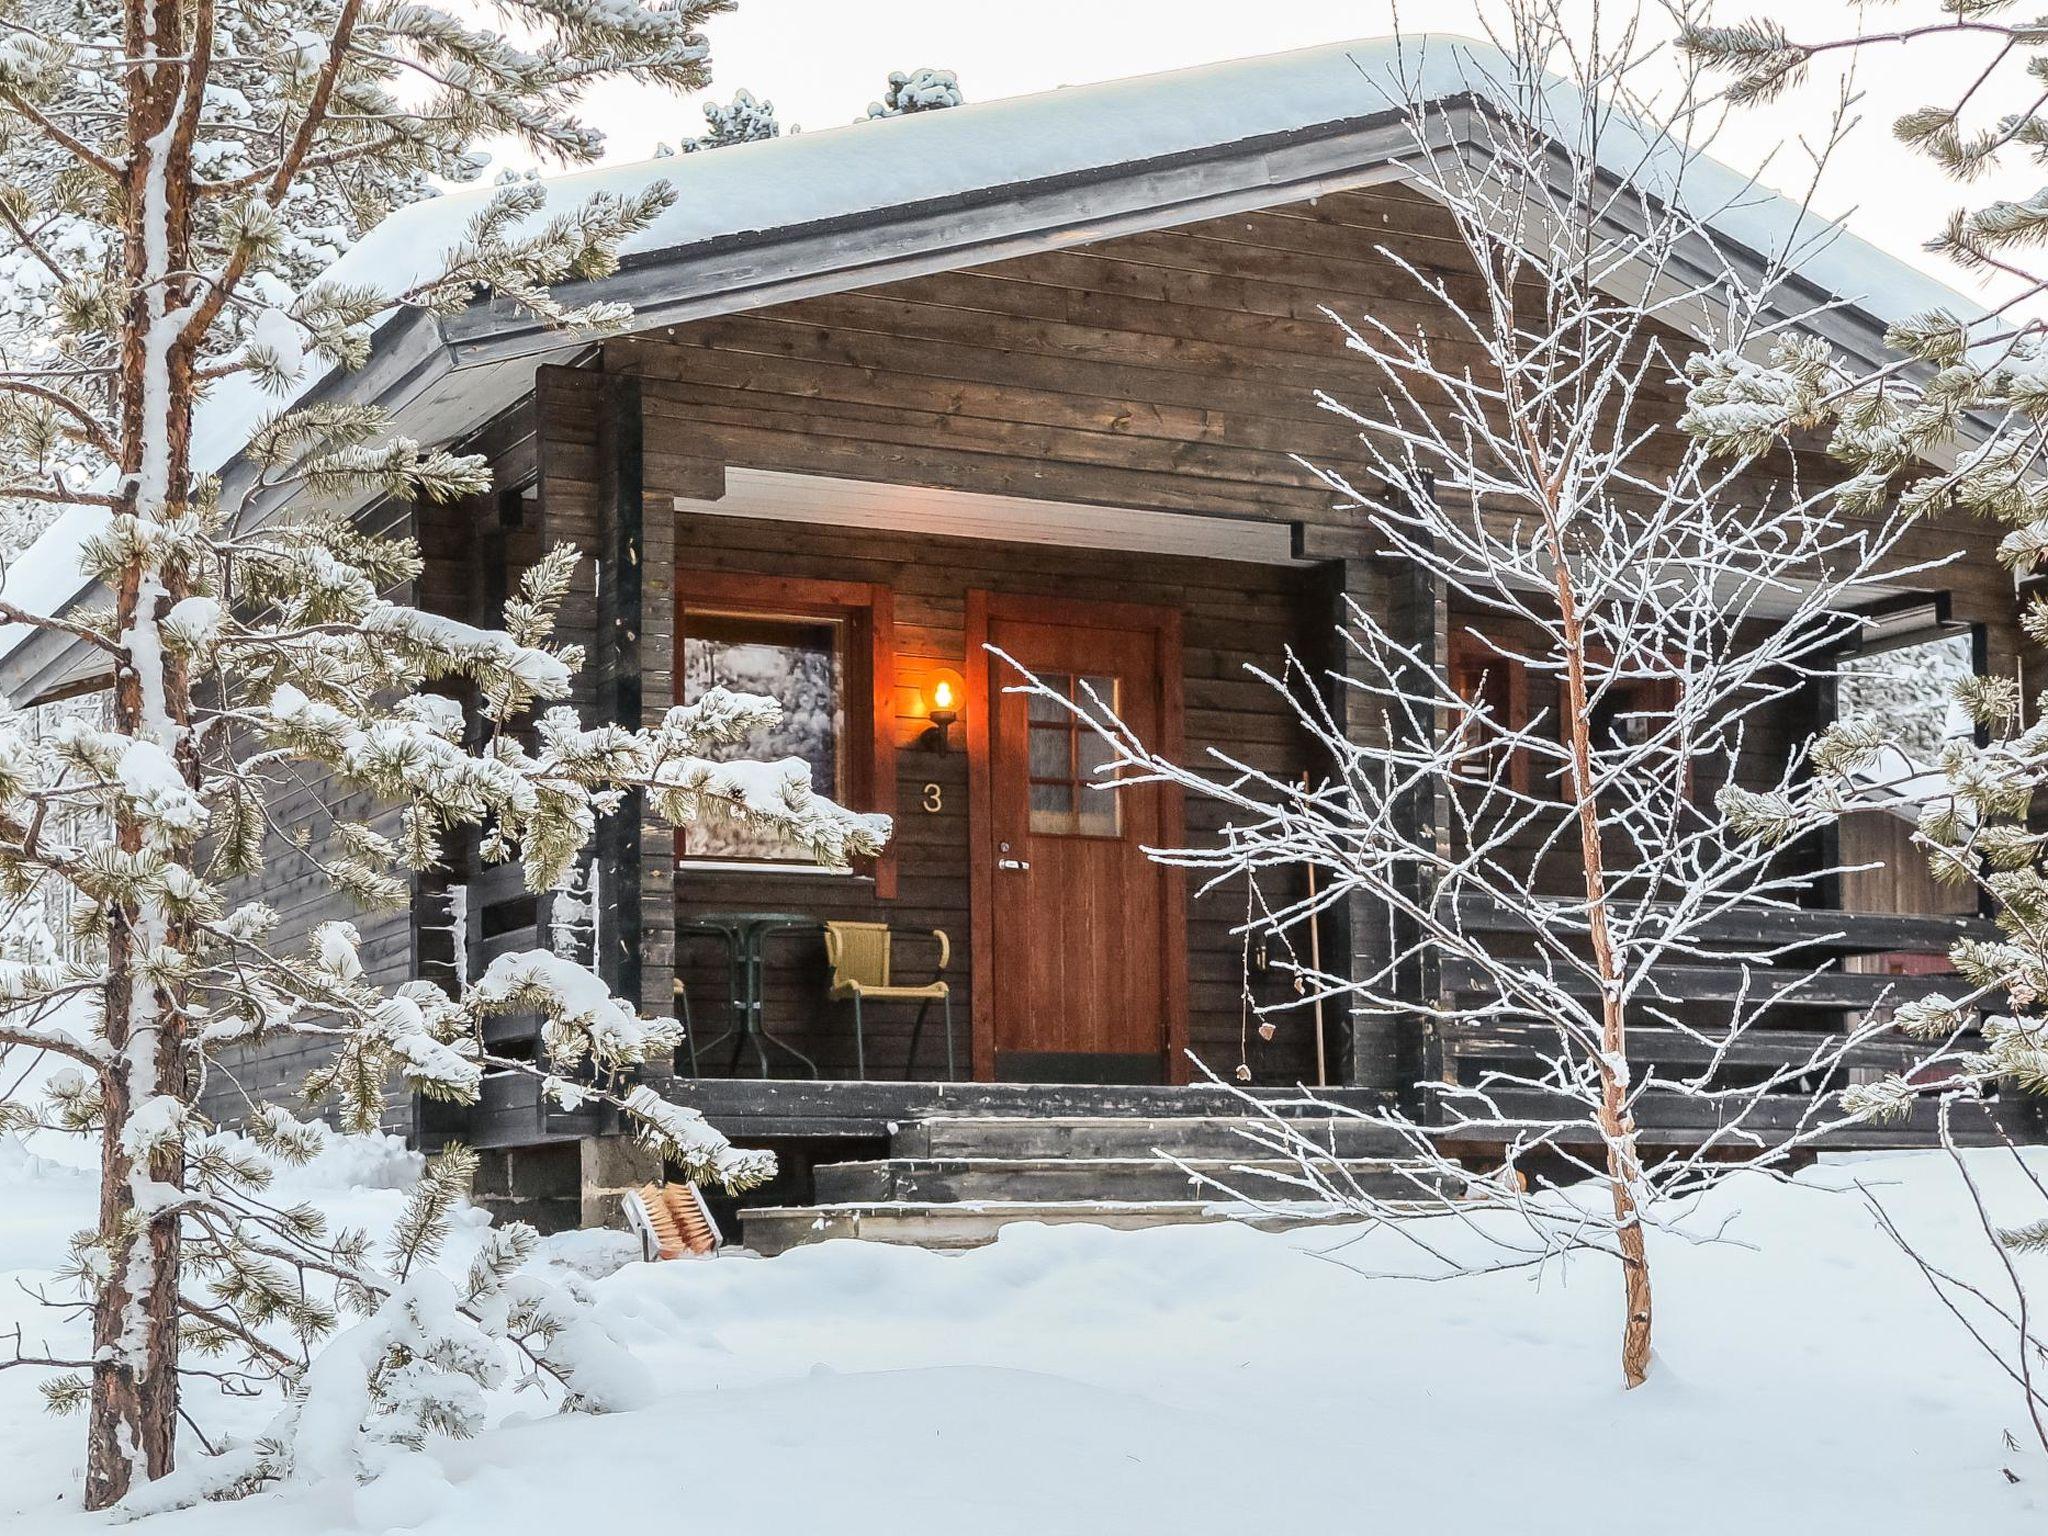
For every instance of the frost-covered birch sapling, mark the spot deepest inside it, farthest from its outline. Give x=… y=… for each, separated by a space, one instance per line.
x=176 y=175
x=1555 y=859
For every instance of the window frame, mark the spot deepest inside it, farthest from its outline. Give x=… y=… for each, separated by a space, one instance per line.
x=1472 y=659
x=866 y=612
x=1918 y=618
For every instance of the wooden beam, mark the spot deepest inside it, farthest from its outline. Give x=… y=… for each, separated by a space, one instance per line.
x=619 y=845
x=1676 y=985
x=1813 y=929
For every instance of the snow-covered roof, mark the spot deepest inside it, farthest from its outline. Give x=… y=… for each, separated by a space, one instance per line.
x=845 y=207
x=846 y=173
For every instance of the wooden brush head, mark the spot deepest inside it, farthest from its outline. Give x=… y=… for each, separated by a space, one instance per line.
x=661 y=1217
x=692 y=1218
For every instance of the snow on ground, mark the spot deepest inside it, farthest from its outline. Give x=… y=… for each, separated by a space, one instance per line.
x=1195 y=1380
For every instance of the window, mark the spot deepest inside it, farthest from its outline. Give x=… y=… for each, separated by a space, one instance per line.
x=801 y=664
x=1498 y=686
x=1630 y=705
x=817 y=648
x=1069 y=796
x=1911 y=687
x=1904 y=674
x=1630 y=711
x=1485 y=691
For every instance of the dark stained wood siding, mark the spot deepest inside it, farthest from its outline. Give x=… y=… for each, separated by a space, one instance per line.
x=1232 y=614
x=1177 y=370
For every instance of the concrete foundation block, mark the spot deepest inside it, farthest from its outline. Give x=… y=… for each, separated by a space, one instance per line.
x=611 y=1165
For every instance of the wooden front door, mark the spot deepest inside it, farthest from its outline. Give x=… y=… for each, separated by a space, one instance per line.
x=1083 y=969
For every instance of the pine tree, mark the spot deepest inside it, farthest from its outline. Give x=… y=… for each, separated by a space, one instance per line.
x=741 y=122
x=1956 y=426
x=918 y=90
x=177 y=174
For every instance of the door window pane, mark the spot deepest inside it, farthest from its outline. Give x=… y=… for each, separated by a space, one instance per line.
x=1069 y=798
x=798 y=662
x=1485 y=686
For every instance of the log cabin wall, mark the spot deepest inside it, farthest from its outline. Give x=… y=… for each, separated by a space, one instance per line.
x=1164 y=371
x=1233 y=615
x=1174 y=370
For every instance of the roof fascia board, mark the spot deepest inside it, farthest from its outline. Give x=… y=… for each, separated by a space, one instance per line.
x=409 y=356
x=1702 y=258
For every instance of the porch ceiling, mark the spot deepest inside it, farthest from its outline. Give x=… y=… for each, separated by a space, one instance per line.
x=779 y=496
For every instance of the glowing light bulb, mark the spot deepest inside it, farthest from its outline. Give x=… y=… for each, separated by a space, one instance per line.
x=942 y=695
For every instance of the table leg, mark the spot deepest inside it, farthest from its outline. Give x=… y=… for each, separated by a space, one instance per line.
x=766 y=1036
x=735 y=1011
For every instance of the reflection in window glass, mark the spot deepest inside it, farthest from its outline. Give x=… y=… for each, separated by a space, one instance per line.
x=1484 y=749
x=1065 y=757
x=1624 y=717
x=800 y=664
x=1911 y=688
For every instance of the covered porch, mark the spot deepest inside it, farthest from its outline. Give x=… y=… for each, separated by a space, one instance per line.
x=1069 y=956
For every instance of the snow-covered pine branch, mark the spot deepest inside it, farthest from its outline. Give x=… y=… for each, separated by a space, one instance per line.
x=1557 y=861
x=917 y=90
x=406 y=1349
x=1957 y=425
x=743 y=120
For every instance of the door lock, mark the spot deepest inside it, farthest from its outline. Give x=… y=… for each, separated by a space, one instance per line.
x=1013 y=863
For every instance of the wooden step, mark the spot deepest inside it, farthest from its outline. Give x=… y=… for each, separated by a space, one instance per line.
x=1068 y=1179
x=1192 y=1137
x=969 y=1224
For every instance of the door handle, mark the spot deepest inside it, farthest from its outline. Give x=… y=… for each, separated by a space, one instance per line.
x=1013 y=863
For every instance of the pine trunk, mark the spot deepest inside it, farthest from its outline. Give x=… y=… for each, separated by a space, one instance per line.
x=134 y=1400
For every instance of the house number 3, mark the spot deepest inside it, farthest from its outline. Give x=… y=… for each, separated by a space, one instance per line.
x=934 y=798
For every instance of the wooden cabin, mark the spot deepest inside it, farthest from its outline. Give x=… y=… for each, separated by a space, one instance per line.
x=1027 y=377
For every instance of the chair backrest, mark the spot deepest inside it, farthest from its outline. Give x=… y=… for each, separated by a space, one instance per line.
x=859 y=952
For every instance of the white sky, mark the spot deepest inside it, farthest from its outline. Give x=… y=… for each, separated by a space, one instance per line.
x=822 y=61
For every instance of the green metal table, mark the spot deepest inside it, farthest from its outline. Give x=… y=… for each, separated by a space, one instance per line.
x=746 y=937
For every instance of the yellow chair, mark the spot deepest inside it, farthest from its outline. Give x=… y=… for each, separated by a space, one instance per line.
x=862 y=960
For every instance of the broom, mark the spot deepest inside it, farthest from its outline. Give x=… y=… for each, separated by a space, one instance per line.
x=672 y=1220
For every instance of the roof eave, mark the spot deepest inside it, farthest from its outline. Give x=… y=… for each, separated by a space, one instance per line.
x=413 y=353
x=748 y=271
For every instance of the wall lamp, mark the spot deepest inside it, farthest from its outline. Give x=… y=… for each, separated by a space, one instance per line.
x=941 y=693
